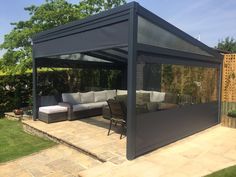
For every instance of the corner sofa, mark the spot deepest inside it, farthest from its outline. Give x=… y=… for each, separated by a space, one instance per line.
x=81 y=105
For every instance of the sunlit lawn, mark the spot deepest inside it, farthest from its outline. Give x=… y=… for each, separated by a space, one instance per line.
x=15 y=143
x=227 y=172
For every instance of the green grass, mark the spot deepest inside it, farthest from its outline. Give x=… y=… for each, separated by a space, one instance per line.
x=15 y=143
x=227 y=172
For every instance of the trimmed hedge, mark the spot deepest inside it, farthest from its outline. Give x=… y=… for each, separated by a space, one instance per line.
x=16 y=90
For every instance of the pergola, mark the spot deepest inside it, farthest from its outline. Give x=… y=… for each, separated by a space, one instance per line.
x=127 y=38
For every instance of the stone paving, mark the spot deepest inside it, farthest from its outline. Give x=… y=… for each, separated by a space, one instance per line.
x=89 y=135
x=59 y=161
x=195 y=156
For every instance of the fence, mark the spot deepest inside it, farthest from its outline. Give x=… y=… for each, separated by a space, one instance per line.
x=229 y=84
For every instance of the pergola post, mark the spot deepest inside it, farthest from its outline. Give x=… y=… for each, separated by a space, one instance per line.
x=131 y=114
x=35 y=97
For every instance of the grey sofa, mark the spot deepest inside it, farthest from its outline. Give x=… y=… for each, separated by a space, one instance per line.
x=82 y=105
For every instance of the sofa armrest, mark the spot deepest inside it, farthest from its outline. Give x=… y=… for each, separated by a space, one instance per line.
x=70 y=108
x=66 y=104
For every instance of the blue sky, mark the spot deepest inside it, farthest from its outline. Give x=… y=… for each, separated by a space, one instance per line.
x=211 y=19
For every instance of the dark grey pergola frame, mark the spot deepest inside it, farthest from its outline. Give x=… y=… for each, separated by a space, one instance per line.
x=66 y=39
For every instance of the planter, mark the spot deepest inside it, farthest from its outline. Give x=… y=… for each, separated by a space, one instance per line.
x=18 y=111
x=228 y=121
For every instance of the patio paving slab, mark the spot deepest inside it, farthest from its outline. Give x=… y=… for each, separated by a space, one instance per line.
x=59 y=161
x=88 y=135
x=195 y=156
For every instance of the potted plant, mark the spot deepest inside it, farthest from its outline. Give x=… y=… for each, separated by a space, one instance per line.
x=230 y=119
x=232 y=113
x=18 y=111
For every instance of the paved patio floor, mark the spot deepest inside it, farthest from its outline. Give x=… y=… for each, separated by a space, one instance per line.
x=58 y=161
x=194 y=156
x=89 y=135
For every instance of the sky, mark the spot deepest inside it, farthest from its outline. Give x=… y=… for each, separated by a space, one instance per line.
x=212 y=20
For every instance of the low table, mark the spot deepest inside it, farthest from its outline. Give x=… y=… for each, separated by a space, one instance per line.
x=55 y=113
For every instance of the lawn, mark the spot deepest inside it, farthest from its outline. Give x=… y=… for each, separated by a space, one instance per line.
x=227 y=172
x=15 y=143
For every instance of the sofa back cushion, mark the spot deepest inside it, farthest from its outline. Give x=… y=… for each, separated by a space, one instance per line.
x=100 y=96
x=87 y=97
x=111 y=94
x=121 y=92
x=73 y=98
x=157 y=96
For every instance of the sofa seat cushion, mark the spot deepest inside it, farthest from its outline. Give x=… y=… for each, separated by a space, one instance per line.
x=97 y=105
x=53 y=109
x=87 y=106
x=165 y=106
x=80 y=107
x=100 y=96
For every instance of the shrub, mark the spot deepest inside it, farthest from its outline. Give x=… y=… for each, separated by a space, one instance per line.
x=232 y=113
x=16 y=90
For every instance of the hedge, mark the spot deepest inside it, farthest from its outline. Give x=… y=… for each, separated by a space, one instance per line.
x=16 y=90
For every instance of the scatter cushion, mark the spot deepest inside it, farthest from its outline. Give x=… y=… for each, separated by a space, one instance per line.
x=157 y=96
x=53 y=109
x=73 y=98
x=80 y=107
x=121 y=92
x=100 y=96
x=97 y=105
x=87 y=97
x=111 y=94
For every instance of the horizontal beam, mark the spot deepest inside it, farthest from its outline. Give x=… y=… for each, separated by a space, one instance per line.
x=177 y=54
x=104 y=56
x=61 y=63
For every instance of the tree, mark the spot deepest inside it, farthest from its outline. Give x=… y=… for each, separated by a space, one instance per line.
x=228 y=44
x=52 y=13
x=90 y=7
